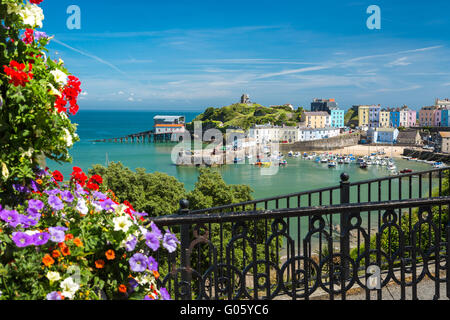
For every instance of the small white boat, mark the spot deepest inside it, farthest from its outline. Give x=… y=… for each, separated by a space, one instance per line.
x=332 y=164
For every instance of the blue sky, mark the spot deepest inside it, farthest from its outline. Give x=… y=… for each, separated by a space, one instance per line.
x=188 y=55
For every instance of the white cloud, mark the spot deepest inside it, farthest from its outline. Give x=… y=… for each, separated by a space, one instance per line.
x=399 y=62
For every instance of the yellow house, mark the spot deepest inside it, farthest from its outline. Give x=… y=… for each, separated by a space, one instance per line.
x=363 y=115
x=385 y=118
x=316 y=120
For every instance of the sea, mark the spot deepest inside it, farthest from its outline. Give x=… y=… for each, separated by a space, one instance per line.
x=299 y=175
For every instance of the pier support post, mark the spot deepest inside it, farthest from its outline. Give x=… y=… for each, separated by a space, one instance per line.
x=186 y=273
x=344 y=224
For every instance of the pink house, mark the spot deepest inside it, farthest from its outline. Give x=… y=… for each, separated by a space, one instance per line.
x=430 y=117
x=412 y=118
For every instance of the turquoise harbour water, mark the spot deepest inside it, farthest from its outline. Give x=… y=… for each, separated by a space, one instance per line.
x=299 y=175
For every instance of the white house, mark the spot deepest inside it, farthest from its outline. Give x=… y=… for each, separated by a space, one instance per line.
x=174 y=125
x=264 y=134
x=383 y=135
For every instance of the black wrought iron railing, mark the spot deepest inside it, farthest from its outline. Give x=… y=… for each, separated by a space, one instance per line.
x=275 y=249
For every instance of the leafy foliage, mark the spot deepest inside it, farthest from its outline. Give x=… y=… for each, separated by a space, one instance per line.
x=154 y=193
x=31 y=128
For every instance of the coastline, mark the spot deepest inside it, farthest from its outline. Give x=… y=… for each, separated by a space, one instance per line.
x=364 y=150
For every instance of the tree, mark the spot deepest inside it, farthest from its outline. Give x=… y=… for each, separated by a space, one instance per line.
x=154 y=193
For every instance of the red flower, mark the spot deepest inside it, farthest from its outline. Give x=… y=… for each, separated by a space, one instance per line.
x=92 y=186
x=58 y=176
x=79 y=176
x=28 y=36
x=97 y=179
x=16 y=71
x=69 y=94
x=36 y=1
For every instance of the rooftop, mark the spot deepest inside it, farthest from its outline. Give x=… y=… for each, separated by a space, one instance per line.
x=170 y=118
x=444 y=134
x=316 y=113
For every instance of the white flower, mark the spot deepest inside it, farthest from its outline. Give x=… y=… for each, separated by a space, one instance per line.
x=97 y=207
x=122 y=223
x=28 y=153
x=81 y=206
x=53 y=276
x=31 y=233
x=5 y=171
x=60 y=77
x=120 y=209
x=32 y=15
x=68 y=138
x=69 y=288
x=54 y=91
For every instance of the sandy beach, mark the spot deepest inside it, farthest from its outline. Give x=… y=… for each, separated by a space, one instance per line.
x=364 y=150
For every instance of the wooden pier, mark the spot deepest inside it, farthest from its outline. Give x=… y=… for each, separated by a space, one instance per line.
x=142 y=137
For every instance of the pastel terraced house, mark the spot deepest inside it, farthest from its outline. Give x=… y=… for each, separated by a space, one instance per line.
x=317 y=120
x=430 y=116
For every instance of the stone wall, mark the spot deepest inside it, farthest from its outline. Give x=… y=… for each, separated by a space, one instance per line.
x=342 y=141
x=427 y=155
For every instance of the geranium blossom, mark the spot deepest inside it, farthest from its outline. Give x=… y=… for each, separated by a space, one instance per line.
x=17 y=74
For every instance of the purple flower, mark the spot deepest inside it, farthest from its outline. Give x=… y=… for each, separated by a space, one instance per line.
x=170 y=241
x=152 y=264
x=34 y=186
x=130 y=245
x=57 y=234
x=33 y=213
x=133 y=284
x=79 y=190
x=147 y=297
x=139 y=214
x=67 y=196
x=156 y=230
x=53 y=192
x=37 y=205
x=53 y=296
x=39 y=239
x=107 y=205
x=99 y=195
x=164 y=294
x=152 y=241
x=38 y=35
x=138 y=262
x=42 y=173
x=55 y=203
x=20 y=188
x=27 y=221
x=10 y=217
x=22 y=239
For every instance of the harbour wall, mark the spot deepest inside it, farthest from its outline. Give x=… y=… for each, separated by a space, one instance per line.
x=339 y=142
x=427 y=155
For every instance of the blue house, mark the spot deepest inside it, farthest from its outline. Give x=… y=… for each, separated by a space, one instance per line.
x=444 y=118
x=337 y=118
x=395 y=119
